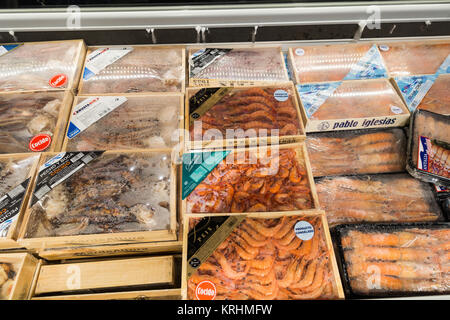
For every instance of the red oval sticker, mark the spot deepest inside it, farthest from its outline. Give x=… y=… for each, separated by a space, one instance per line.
x=58 y=80
x=40 y=142
x=205 y=290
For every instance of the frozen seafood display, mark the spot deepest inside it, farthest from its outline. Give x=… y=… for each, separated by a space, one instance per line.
x=133 y=70
x=429 y=147
x=415 y=57
x=125 y=122
x=266 y=111
x=336 y=62
x=32 y=121
x=284 y=258
x=357 y=152
x=377 y=198
x=41 y=65
x=390 y=260
x=350 y=105
x=220 y=66
x=250 y=180
x=101 y=193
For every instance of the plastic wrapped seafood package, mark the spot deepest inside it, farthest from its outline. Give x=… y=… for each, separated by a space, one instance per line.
x=395 y=260
x=237 y=66
x=41 y=65
x=98 y=197
x=16 y=275
x=33 y=121
x=429 y=147
x=346 y=105
x=133 y=69
x=336 y=62
x=248 y=180
x=283 y=257
x=396 y=197
x=124 y=122
x=230 y=116
x=16 y=172
x=406 y=58
x=357 y=152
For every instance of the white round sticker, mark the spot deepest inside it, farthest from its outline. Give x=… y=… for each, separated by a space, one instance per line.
x=281 y=95
x=396 y=110
x=304 y=230
x=299 y=51
x=384 y=47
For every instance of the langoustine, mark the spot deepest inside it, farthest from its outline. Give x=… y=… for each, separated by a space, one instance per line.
x=144 y=69
x=118 y=192
x=264 y=259
x=7 y=278
x=397 y=259
x=255 y=109
x=25 y=115
x=142 y=122
x=376 y=198
x=251 y=181
x=357 y=152
x=436 y=99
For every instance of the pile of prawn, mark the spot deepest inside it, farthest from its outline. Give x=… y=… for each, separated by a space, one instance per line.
x=275 y=182
x=407 y=260
x=263 y=259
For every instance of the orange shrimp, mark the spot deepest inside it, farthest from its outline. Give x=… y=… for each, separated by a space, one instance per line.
x=265 y=231
x=265 y=263
x=294 y=244
x=290 y=274
x=308 y=276
x=229 y=272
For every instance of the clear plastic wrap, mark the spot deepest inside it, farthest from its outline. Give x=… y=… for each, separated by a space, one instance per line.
x=242 y=64
x=265 y=259
x=429 y=147
x=141 y=122
x=357 y=152
x=377 y=198
x=41 y=66
x=336 y=62
x=24 y=116
x=144 y=69
x=117 y=192
x=413 y=57
x=255 y=181
x=395 y=260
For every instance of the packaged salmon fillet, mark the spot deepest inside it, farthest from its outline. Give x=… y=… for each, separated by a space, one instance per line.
x=240 y=116
x=33 y=121
x=265 y=257
x=209 y=67
x=347 y=105
x=396 y=197
x=429 y=147
x=133 y=69
x=336 y=62
x=257 y=179
x=41 y=66
x=357 y=152
x=386 y=260
x=406 y=58
x=148 y=121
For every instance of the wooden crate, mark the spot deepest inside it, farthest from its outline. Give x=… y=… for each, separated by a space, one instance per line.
x=25 y=266
x=199 y=82
x=93 y=240
x=160 y=294
x=248 y=141
x=77 y=278
x=182 y=48
x=302 y=157
x=333 y=264
x=9 y=242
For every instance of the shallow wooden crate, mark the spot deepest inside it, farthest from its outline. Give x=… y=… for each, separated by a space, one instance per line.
x=247 y=141
x=201 y=82
x=270 y=215
x=93 y=240
x=160 y=294
x=10 y=241
x=27 y=267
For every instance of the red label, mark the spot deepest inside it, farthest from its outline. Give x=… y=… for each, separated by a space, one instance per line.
x=40 y=142
x=58 y=80
x=205 y=290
